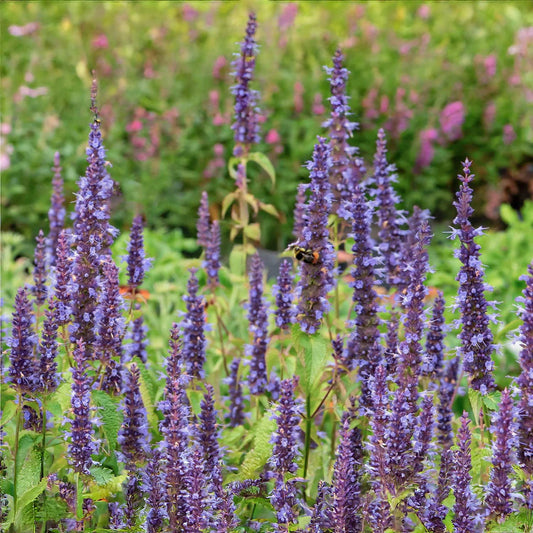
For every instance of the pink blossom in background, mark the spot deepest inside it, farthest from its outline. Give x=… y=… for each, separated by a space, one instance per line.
x=427 y=151
x=369 y=104
x=218 y=67
x=104 y=67
x=515 y=79
x=218 y=149
x=5 y=149
x=29 y=77
x=149 y=72
x=272 y=137
x=261 y=119
x=216 y=163
x=451 y=120
x=218 y=119
x=414 y=97
x=384 y=104
x=399 y=121
x=21 y=31
x=509 y=134
x=214 y=98
x=489 y=114
x=490 y=65
x=189 y=13
x=100 y=42
x=318 y=106
x=5 y=128
x=298 y=100
x=424 y=12
x=134 y=126
x=287 y=16
x=24 y=91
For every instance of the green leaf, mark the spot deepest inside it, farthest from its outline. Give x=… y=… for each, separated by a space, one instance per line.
x=10 y=408
x=492 y=401
x=110 y=489
x=237 y=259
x=28 y=497
x=109 y=414
x=232 y=166
x=476 y=401
x=264 y=162
x=269 y=208
x=252 y=231
x=101 y=475
x=59 y=401
x=258 y=456
x=147 y=394
x=227 y=201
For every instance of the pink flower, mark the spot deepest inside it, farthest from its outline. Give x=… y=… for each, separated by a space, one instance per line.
x=218 y=120
x=451 y=120
x=272 y=137
x=149 y=72
x=490 y=65
x=214 y=98
x=369 y=104
x=218 y=67
x=384 y=104
x=509 y=134
x=134 y=126
x=318 y=106
x=424 y=12
x=218 y=149
x=489 y=114
x=5 y=128
x=287 y=16
x=24 y=91
x=427 y=151
x=21 y=31
x=189 y=13
x=100 y=42
x=298 y=100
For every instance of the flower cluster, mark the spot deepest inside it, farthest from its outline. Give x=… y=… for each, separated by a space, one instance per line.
x=56 y=213
x=283 y=292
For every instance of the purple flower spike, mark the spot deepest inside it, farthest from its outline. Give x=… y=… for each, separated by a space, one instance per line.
x=283 y=459
x=316 y=278
x=446 y=391
x=363 y=349
x=283 y=292
x=48 y=349
x=345 y=171
x=432 y=365
x=81 y=446
x=246 y=125
x=212 y=255
x=133 y=435
x=138 y=264
x=39 y=289
x=153 y=485
x=499 y=490
x=62 y=278
x=258 y=319
x=56 y=213
x=389 y=218
x=476 y=337
x=138 y=338
x=202 y=224
x=466 y=507
x=193 y=326
x=197 y=517
x=22 y=370
x=235 y=395
x=321 y=518
x=300 y=208
x=347 y=479
x=525 y=380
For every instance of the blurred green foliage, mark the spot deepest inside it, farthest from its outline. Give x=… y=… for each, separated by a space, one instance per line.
x=155 y=60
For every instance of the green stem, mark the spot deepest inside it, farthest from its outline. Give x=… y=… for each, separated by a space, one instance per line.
x=43 y=448
x=307 y=446
x=16 y=449
x=79 y=500
x=220 y=326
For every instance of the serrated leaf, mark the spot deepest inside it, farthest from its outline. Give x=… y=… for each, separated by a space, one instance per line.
x=109 y=415
x=28 y=497
x=29 y=469
x=492 y=401
x=10 y=408
x=110 y=489
x=101 y=475
x=147 y=395
x=258 y=456
x=264 y=162
x=59 y=401
x=476 y=401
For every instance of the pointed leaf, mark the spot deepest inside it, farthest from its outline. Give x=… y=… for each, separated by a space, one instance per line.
x=109 y=414
x=264 y=162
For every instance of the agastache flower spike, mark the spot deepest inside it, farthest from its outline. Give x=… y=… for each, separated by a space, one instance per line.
x=133 y=435
x=138 y=338
x=363 y=349
x=446 y=391
x=340 y=130
x=39 y=289
x=56 y=213
x=62 y=278
x=153 y=485
x=22 y=370
x=81 y=446
x=283 y=292
x=476 y=337
x=212 y=255
x=193 y=325
x=284 y=453
x=432 y=365
x=316 y=278
x=389 y=218
x=138 y=264
x=235 y=395
x=48 y=349
x=499 y=490
x=525 y=380
x=246 y=125
x=202 y=224
x=299 y=210
x=466 y=507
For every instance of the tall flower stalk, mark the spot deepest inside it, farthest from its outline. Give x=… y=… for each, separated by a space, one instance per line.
x=56 y=213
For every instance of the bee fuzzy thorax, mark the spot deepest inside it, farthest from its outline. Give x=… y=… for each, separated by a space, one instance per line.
x=306 y=255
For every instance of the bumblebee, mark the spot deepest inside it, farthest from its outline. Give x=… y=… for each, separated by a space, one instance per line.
x=306 y=255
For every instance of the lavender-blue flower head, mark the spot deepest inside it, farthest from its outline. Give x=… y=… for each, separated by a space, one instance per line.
x=300 y=208
x=389 y=218
x=347 y=479
x=447 y=384
x=138 y=338
x=246 y=125
x=22 y=369
x=138 y=264
x=202 y=224
x=499 y=490
x=39 y=289
x=256 y=303
x=423 y=434
x=476 y=337
x=525 y=379
x=56 y=213
x=432 y=365
x=153 y=485
x=344 y=173
x=48 y=378
x=197 y=518
x=321 y=519
x=193 y=325
x=62 y=276
x=283 y=292
x=316 y=278
x=466 y=507
x=236 y=407
x=212 y=254
x=133 y=435
x=81 y=446
x=363 y=349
